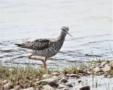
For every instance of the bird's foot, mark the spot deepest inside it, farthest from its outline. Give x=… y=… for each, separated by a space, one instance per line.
x=29 y=55
x=36 y=57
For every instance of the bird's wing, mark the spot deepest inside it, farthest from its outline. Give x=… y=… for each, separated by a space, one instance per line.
x=38 y=44
x=41 y=44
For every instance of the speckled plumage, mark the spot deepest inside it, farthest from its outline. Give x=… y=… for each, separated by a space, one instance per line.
x=46 y=47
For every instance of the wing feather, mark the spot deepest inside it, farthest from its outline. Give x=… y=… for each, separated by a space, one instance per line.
x=41 y=44
x=38 y=44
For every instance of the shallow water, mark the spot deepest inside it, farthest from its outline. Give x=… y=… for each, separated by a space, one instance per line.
x=95 y=83
x=90 y=23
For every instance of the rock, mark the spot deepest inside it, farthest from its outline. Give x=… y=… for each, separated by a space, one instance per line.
x=111 y=64
x=53 y=84
x=47 y=87
x=42 y=82
x=51 y=81
x=17 y=87
x=8 y=86
x=39 y=87
x=106 y=68
x=11 y=69
x=85 y=88
x=30 y=88
x=55 y=74
x=46 y=76
x=96 y=69
x=5 y=81
x=103 y=64
x=61 y=86
x=88 y=72
x=73 y=75
x=1 y=87
x=69 y=85
x=12 y=89
x=79 y=81
x=64 y=80
x=106 y=75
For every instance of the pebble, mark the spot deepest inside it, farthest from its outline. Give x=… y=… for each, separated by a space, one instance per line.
x=85 y=88
x=73 y=75
x=30 y=88
x=46 y=76
x=69 y=85
x=55 y=74
x=61 y=86
x=106 y=68
x=96 y=69
x=51 y=81
x=47 y=87
x=64 y=80
x=79 y=81
x=103 y=64
x=8 y=86
x=53 y=84
x=17 y=87
x=5 y=81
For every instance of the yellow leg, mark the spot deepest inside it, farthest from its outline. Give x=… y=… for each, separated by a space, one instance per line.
x=45 y=65
x=43 y=59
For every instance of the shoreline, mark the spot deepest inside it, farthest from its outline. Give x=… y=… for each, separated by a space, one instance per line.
x=37 y=79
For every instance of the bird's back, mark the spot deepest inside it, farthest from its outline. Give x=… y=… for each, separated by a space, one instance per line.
x=54 y=47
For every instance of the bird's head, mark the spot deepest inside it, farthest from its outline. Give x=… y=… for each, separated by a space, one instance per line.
x=65 y=30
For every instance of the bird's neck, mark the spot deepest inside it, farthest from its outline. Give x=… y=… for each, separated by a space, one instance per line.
x=62 y=36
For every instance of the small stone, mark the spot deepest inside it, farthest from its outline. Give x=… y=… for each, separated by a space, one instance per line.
x=107 y=75
x=8 y=86
x=30 y=88
x=79 y=81
x=64 y=80
x=85 y=88
x=42 y=82
x=47 y=87
x=51 y=81
x=102 y=64
x=5 y=81
x=66 y=89
x=46 y=76
x=96 y=69
x=106 y=68
x=69 y=85
x=10 y=69
x=55 y=74
x=73 y=75
x=53 y=84
x=17 y=87
x=63 y=87
x=1 y=87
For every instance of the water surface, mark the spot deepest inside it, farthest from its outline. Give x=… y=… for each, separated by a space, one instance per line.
x=90 y=23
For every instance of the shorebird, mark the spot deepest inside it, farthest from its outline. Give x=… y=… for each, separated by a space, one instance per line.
x=45 y=48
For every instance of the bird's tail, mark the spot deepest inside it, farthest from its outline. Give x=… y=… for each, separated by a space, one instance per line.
x=28 y=45
x=20 y=45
